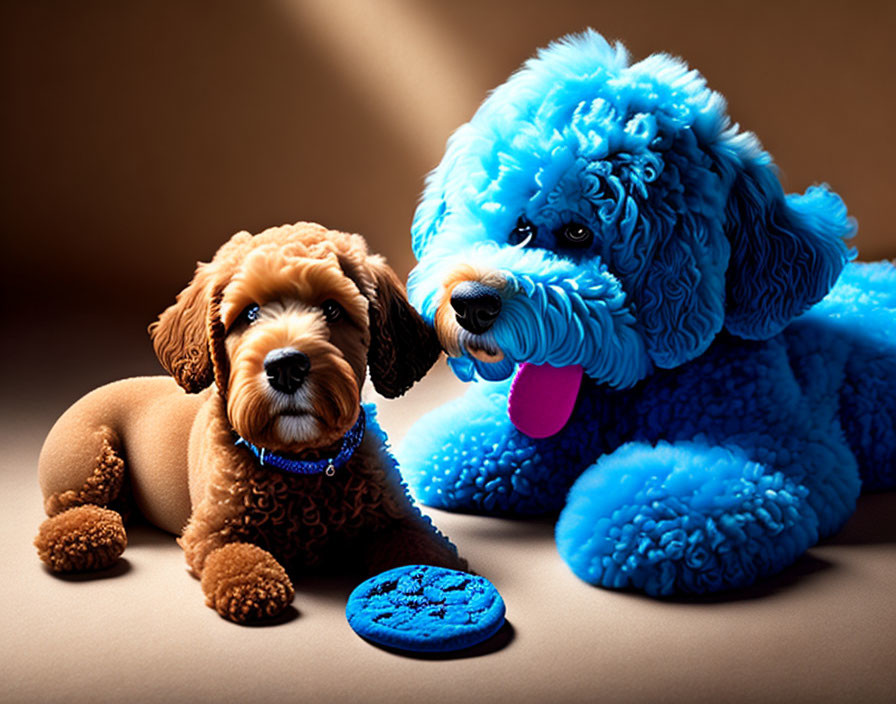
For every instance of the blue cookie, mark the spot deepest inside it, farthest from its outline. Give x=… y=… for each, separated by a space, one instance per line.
x=425 y=609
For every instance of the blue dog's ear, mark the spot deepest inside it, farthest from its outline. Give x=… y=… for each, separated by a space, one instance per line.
x=786 y=251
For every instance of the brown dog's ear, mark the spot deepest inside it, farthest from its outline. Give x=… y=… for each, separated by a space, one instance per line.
x=180 y=336
x=402 y=346
x=188 y=337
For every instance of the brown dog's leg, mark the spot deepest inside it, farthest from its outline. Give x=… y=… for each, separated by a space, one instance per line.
x=410 y=542
x=241 y=581
x=244 y=583
x=81 y=473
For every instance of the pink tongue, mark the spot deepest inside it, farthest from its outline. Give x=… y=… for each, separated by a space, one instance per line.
x=542 y=398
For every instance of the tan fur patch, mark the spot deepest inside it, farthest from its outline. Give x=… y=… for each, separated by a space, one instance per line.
x=100 y=488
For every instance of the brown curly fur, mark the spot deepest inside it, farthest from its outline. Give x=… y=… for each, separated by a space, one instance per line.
x=244 y=583
x=80 y=539
x=302 y=520
x=246 y=527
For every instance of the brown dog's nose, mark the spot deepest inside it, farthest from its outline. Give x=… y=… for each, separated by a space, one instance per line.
x=476 y=306
x=286 y=369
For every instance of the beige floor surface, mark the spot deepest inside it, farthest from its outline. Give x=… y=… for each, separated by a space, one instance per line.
x=823 y=631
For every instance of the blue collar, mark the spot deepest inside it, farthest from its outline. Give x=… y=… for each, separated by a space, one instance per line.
x=350 y=442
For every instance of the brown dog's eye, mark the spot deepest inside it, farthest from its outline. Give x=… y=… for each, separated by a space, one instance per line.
x=332 y=310
x=250 y=313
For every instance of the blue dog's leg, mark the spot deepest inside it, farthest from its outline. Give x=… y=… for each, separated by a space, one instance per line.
x=683 y=518
x=467 y=456
x=862 y=308
x=868 y=412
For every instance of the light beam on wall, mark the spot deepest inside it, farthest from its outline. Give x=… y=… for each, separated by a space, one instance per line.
x=399 y=61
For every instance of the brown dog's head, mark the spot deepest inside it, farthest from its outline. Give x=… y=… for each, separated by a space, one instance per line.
x=285 y=323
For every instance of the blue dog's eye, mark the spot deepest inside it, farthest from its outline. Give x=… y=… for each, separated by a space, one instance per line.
x=523 y=233
x=574 y=235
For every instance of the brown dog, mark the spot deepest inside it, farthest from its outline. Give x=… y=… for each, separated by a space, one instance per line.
x=275 y=467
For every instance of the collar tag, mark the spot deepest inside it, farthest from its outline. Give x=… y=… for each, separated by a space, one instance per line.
x=350 y=442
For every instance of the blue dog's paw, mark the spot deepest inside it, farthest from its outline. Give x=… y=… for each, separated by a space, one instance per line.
x=445 y=455
x=467 y=456
x=683 y=518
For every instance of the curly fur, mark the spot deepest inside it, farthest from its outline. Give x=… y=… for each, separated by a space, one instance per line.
x=245 y=527
x=301 y=520
x=646 y=156
x=85 y=537
x=721 y=428
x=243 y=583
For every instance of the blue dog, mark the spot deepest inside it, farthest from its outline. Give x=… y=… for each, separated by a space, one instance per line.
x=701 y=383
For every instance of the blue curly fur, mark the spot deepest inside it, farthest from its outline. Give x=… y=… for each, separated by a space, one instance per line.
x=739 y=374
x=682 y=516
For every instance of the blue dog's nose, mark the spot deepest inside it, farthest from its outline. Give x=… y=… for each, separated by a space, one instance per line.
x=476 y=306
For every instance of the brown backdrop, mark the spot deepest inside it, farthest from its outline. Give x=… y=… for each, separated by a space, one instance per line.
x=137 y=136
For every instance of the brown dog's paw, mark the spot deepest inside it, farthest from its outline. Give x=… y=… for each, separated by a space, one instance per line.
x=244 y=583
x=80 y=539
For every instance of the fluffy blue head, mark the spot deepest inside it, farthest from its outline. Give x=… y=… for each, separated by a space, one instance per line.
x=621 y=218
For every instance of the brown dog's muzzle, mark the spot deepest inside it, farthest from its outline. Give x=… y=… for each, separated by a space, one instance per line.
x=286 y=369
